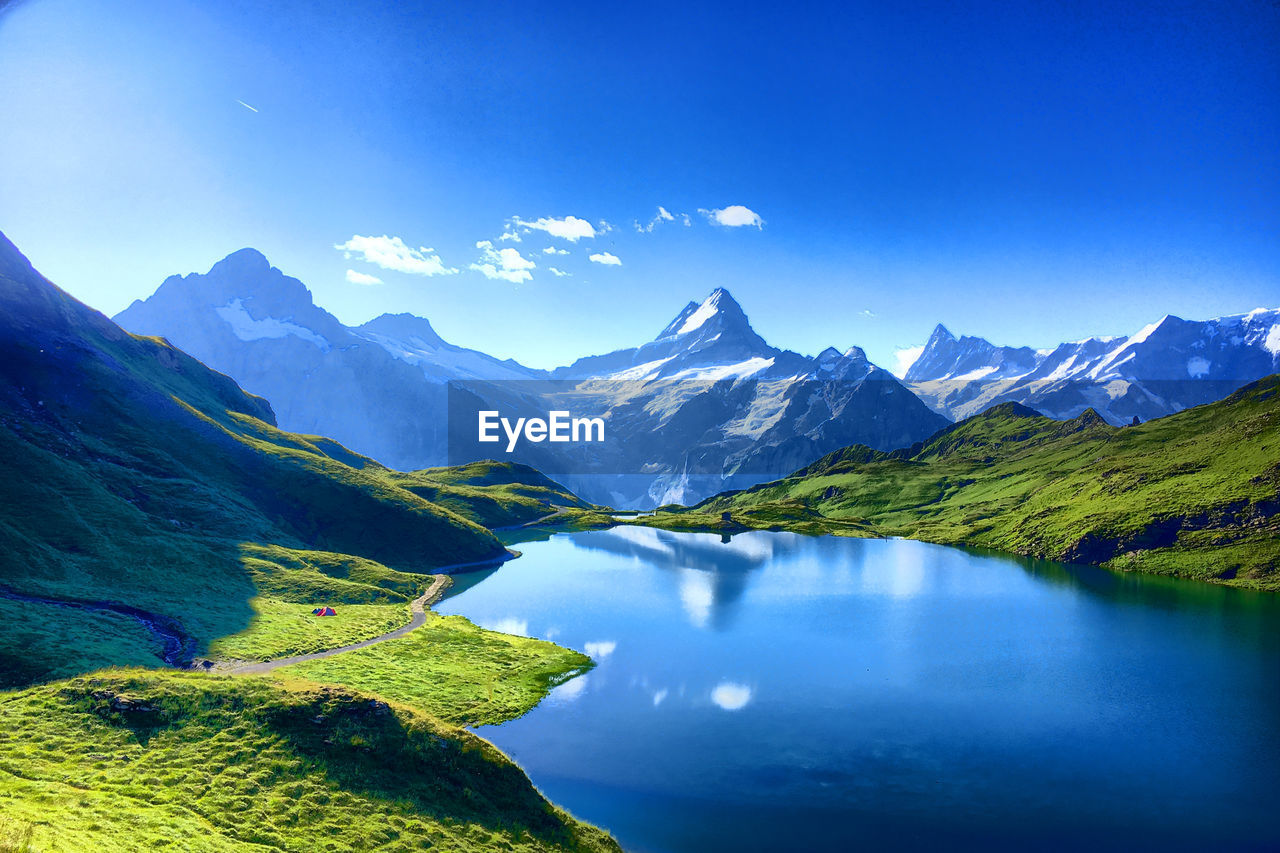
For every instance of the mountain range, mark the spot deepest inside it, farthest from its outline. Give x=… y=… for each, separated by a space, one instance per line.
x=706 y=405
x=1170 y=365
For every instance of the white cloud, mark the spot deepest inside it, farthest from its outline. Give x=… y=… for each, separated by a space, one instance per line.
x=391 y=253
x=658 y=696
x=510 y=235
x=733 y=216
x=552 y=250
x=663 y=215
x=559 y=273
x=607 y=258
x=506 y=264
x=354 y=277
x=868 y=313
x=570 y=228
x=903 y=358
x=731 y=696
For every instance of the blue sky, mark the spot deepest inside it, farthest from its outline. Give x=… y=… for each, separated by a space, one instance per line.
x=1030 y=172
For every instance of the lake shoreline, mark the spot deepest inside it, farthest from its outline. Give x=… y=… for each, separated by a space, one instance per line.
x=813 y=525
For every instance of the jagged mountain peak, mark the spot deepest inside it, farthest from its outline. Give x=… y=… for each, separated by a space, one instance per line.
x=1164 y=367
x=941 y=333
x=246 y=276
x=856 y=353
x=718 y=311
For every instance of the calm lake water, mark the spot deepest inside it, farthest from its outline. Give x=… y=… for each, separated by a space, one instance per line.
x=782 y=692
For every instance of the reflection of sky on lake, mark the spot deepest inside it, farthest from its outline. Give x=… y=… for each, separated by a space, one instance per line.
x=887 y=687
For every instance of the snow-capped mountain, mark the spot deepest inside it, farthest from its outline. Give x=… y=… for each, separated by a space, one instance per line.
x=714 y=332
x=713 y=340
x=709 y=405
x=1165 y=367
x=706 y=405
x=376 y=388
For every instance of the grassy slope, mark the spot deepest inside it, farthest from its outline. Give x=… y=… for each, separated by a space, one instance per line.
x=453 y=670
x=49 y=642
x=1194 y=494
x=282 y=629
x=496 y=494
x=121 y=761
x=130 y=472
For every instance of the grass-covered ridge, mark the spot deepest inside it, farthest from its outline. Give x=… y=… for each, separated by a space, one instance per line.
x=498 y=494
x=1195 y=494
x=129 y=760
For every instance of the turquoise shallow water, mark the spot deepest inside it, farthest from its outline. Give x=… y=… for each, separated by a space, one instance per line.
x=781 y=692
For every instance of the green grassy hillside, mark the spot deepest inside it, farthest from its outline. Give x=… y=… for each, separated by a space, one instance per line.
x=453 y=670
x=495 y=494
x=131 y=473
x=150 y=507
x=1194 y=494
x=131 y=760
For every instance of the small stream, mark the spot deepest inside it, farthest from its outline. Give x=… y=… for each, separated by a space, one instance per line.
x=179 y=646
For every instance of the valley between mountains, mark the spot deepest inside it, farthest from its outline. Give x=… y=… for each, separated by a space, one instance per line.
x=135 y=473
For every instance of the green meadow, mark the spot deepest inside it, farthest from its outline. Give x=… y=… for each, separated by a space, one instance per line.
x=453 y=670
x=1195 y=494
x=123 y=760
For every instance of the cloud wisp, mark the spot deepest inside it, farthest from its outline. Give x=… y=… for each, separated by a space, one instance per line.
x=733 y=216
x=391 y=253
x=607 y=258
x=731 y=696
x=354 y=277
x=571 y=228
x=505 y=264
x=663 y=215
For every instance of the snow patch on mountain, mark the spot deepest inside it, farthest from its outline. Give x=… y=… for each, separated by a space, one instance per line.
x=714 y=373
x=648 y=370
x=1272 y=341
x=705 y=312
x=246 y=328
